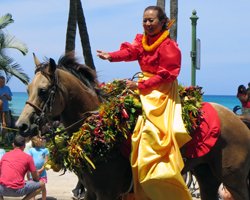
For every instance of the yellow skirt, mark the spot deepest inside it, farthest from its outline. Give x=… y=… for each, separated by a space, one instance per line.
x=156 y=160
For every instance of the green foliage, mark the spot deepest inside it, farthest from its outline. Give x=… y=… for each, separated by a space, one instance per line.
x=7 y=64
x=104 y=131
x=191 y=99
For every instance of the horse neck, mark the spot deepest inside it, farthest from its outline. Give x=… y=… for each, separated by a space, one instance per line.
x=76 y=111
x=79 y=99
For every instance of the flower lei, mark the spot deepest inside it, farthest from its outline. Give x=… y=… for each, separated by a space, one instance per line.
x=191 y=101
x=105 y=131
x=153 y=46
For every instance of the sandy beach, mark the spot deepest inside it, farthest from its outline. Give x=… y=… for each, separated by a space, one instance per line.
x=59 y=186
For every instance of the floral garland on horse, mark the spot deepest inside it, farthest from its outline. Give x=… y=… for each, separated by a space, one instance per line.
x=111 y=126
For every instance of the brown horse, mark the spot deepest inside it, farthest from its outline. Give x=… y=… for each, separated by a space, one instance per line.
x=54 y=91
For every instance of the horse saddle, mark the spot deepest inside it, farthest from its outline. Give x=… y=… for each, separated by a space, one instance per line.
x=205 y=135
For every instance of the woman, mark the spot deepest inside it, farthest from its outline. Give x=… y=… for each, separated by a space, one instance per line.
x=40 y=155
x=155 y=158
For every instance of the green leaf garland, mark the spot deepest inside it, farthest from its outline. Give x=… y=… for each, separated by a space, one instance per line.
x=114 y=122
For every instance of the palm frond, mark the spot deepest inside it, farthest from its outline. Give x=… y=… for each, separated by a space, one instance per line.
x=5 y=20
x=11 y=68
x=7 y=65
x=9 y=41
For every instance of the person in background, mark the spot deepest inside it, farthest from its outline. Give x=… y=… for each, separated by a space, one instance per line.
x=3 y=118
x=248 y=91
x=40 y=155
x=155 y=158
x=1 y=111
x=242 y=95
x=2 y=152
x=224 y=193
x=14 y=165
x=5 y=97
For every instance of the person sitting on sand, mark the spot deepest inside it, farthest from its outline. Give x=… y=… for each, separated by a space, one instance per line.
x=14 y=165
x=40 y=154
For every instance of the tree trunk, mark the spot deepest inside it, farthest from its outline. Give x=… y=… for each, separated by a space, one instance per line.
x=71 y=28
x=86 y=48
x=161 y=3
x=174 y=15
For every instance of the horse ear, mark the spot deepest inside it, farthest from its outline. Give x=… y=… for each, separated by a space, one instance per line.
x=52 y=64
x=37 y=62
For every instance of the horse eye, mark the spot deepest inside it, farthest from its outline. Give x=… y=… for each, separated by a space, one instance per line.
x=43 y=94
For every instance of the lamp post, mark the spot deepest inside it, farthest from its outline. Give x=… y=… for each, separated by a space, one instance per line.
x=194 y=19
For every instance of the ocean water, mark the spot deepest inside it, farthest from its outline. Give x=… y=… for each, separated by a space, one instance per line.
x=18 y=102
x=229 y=101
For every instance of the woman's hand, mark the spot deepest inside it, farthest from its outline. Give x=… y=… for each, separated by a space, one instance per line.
x=103 y=55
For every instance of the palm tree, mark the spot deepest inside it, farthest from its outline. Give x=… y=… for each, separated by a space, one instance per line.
x=76 y=17
x=86 y=48
x=173 y=15
x=161 y=3
x=7 y=64
x=71 y=28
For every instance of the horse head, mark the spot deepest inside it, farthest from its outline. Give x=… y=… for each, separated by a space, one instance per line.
x=41 y=91
x=56 y=92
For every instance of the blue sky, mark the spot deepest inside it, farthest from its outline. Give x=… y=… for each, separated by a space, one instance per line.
x=223 y=28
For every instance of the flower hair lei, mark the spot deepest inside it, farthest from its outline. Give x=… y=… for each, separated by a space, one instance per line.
x=153 y=46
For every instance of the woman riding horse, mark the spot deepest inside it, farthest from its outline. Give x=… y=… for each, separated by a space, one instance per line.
x=156 y=160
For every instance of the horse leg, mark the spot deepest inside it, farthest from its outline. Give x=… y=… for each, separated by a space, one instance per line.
x=88 y=197
x=239 y=193
x=234 y=177
x=207 y=182
x=235 y=171
x=238 y=189
x=231 y=160
x=248 y=184
x=101 y=196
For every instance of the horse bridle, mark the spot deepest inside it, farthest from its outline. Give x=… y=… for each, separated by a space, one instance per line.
x=42 y=113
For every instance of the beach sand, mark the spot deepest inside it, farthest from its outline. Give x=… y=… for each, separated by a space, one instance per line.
x=59 y=186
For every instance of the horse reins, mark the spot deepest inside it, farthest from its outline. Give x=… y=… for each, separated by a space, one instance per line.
x=51 y=96
x=38 y=110
x=50 y=100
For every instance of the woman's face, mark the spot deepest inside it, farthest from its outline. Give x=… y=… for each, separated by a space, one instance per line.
x=151 y=24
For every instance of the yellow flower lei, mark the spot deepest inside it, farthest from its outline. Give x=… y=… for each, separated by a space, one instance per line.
x=153 y=46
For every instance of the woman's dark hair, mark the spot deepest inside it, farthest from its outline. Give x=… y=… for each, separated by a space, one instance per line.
x=242 y=89
x=161 y=15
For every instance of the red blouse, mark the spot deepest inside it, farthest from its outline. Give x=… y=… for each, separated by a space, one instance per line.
x=164 y=62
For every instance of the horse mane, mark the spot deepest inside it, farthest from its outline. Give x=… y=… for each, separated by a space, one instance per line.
x=69 y=62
